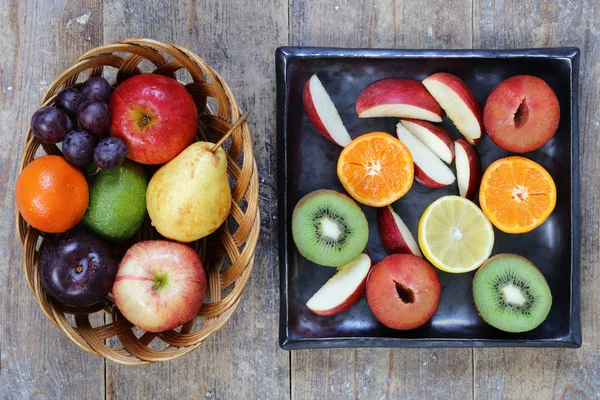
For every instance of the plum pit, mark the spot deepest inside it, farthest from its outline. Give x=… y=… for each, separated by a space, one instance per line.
x=405 y=293
x=522 y=114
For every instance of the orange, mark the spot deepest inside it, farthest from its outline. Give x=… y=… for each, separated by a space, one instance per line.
x=376 y=169
x=517 y=194
x=51 y=194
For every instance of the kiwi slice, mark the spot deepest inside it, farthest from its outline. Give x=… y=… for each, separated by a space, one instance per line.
x=511 y=294
x=329 y=228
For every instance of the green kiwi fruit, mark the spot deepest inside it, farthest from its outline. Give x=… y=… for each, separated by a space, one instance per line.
x=511 y=294
x=329 y=228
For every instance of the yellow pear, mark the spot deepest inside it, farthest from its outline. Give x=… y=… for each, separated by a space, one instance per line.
x=189 y=197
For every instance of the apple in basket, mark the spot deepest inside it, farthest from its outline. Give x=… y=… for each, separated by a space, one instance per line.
x=160 y=285
x=155 y=116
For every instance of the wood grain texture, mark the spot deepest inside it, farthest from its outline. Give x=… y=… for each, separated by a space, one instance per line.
x=39 y=39
x=382 y=373
x=238 y=40
x=553 y=373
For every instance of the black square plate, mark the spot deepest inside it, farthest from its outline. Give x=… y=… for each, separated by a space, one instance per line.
x=307 y=161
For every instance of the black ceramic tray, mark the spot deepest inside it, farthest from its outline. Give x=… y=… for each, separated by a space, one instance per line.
x=307 y=161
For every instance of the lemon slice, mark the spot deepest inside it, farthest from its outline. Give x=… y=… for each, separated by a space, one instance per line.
x=455 y=235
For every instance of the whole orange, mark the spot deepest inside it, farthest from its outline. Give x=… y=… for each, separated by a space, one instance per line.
x=51 y=194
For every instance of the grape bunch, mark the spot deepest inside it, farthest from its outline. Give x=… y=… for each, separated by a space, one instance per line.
x=80 y=119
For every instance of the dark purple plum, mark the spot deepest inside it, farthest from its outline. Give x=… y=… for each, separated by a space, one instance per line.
x=110 y=153
x=50 y=124
x=69 y=101
x=96 y=87
x=94 y=117
x=77 y=269
x=78 y=147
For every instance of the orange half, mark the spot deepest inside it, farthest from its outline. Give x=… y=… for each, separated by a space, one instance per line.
x=376 y=169
x=517 y=194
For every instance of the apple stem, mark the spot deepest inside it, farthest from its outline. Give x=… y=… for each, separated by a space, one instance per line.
x=229 y=132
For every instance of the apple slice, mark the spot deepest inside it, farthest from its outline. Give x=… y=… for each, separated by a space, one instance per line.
x=468 y=168
x=342 y=290
x=430 y=171
x=433 y=136
x=458 y=101
x=322 y=112
x=398 y=97
x=395 y=235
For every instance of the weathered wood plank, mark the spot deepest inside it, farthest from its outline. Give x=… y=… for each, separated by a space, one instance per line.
x=553 y=373
x=381 y=373
x=238 y=39
x=39 y=40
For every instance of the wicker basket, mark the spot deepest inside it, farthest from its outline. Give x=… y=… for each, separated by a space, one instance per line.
x=228 y=254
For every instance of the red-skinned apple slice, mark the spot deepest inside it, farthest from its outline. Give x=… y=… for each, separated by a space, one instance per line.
x=430 y=171
x=395 y=235
x=433 y=136
x=468 y=168
x=398 y=97
x=343 y=289
x=458 y=101
x=322 y=112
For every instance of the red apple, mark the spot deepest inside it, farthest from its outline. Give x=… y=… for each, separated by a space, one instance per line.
x=433 y=136
x=342 y=290
x=322 y=112
x=160 y=285
x=403 y=291
x=458 y=101
x=521 y=114
x=430 y=171
x=394 y=233
x=398 y=97
x=468 y=168
x=155 y=116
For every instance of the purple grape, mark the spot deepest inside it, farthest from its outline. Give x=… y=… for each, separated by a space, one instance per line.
x=110 y=153
x=94 y=117
x=77 y=269
x=78 y=147
x=69 y=101
x=96 y=87
x=50 y=125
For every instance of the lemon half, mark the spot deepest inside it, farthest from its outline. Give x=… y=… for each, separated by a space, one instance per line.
x=455 y=235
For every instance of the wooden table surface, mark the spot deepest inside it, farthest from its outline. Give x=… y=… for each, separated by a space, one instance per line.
x=40 y=38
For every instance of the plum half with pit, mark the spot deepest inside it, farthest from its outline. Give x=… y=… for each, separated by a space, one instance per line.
x=77 y=269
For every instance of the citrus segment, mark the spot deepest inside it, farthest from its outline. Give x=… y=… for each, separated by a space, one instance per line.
x=376 y=169
x=517 y=194
x=454 y=235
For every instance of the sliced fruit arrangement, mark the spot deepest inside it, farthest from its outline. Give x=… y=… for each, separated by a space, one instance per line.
x=521 y=114
x=329 y=228
x=517 y=194
x=454 y=235
x=461 y=106
x=321 y=111
x=403 y=291
x=398 y=97
x=376 y=169
x=430 y=171
x=511 y=294
x=395 y=235
x=342 y=290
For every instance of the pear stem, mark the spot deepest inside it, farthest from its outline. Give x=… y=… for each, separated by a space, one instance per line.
x=229 y=132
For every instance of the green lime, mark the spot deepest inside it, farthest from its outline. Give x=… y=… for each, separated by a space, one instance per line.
x=117 y=205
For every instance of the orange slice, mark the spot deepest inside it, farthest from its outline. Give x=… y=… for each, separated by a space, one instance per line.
x=517 y=194
x=376 y=169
